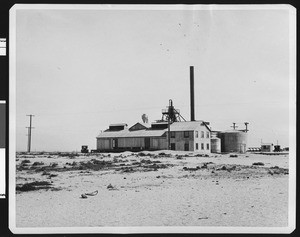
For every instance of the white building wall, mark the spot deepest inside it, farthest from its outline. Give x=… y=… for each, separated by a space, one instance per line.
x=180 y=140
x=205 y=140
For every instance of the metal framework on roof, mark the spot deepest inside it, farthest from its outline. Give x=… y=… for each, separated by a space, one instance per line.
x=171 y=114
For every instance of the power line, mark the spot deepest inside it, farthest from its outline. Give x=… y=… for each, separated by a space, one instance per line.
x=29 y=132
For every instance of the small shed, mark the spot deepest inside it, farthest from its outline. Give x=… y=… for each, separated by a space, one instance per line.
x=267 y=147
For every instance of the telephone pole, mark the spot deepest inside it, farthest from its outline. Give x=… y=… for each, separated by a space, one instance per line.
x=246 y=124
x=234 y=126
x=29 y=132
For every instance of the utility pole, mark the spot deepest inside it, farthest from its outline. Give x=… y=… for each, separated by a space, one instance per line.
x=234 y=126
x=169 y=115
x=29 y=132
x=246 y=124
x=169 y=137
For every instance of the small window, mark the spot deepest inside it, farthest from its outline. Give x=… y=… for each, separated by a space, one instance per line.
x=202 y=146
x=196 y=134
x=173 y=134
x=186 y=134
x=202 y=134
x=197 y=146
x=173 y=146
x=207 y=134
x=207 y=146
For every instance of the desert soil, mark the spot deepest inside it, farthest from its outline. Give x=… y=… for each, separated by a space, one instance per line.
x=151 y=189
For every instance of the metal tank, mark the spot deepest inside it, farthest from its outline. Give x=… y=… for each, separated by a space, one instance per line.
x=215 y=144
x=233 y=141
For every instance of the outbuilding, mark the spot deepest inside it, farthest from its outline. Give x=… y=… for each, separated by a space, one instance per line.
x=267 y=147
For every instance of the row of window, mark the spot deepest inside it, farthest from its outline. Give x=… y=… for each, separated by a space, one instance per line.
x=186 y=134
x=202 y=146
x=202 y=134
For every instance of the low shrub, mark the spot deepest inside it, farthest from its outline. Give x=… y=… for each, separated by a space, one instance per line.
x=45 y=173
x=37 y=163
x=25 y=162
x=33 y=186
x=146 y=161
x=53 y=165
x=25 y=187
x=258 y=163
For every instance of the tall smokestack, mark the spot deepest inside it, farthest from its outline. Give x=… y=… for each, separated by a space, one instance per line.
x=192 y=93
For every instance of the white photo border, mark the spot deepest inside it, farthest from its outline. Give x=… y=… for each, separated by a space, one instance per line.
x=146 y=229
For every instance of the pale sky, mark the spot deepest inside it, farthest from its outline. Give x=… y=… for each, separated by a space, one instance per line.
x=80 y=70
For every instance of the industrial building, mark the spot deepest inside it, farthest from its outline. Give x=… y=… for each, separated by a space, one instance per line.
x=227 y=141
x=172 y=132
x=215 y=143
x=266 y=147
x=233 y=141
x=184 y=136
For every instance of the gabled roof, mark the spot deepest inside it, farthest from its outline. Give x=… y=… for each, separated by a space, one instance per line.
x=206 y=125
x=187 y=126
x=176 y=126
x=140 y=125
x=137 y=133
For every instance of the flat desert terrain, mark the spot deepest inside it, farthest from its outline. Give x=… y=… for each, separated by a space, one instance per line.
x=161 y=188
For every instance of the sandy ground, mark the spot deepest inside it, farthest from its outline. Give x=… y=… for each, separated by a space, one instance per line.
x=153 y=190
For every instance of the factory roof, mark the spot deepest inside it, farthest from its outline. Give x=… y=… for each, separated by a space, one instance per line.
x=233 y=131
x=176 y=126
x=140 y=126
x=187 y=126
x=118 y=124
x=137 y=133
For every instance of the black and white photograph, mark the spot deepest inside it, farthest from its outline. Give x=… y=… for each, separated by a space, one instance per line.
x=152 y=118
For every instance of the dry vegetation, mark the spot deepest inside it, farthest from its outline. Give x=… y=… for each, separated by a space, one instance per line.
x=178 y=188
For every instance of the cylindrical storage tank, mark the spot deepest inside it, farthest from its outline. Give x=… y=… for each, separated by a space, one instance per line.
x=215 y=144
x=234 y=141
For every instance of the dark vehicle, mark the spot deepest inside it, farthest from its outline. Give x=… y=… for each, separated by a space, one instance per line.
x=84 y=149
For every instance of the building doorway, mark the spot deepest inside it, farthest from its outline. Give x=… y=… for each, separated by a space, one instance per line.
x=147 y=143
x=186 y=146
x=115 y=143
